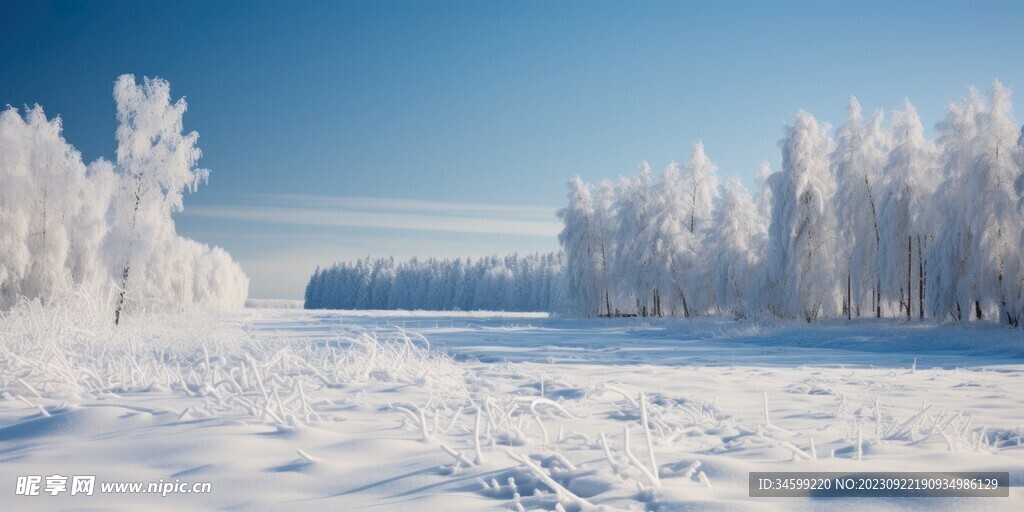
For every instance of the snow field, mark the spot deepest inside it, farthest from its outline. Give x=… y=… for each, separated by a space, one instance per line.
x=286 y=410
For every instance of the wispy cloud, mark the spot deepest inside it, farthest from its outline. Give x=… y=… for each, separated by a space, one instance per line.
x=380 y=213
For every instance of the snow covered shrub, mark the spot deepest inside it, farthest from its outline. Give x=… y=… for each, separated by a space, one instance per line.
x=69 y=350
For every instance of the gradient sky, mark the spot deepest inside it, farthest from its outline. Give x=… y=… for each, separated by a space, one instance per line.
x=335 y=130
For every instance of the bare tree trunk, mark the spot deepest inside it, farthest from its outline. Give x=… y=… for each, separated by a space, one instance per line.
x=128 y=256
x=920 y=279
x=604 y=279
x=849 y=302
x=42 y=245
x=590 y=259
x=878 y=242
x=878 y=298
x=910 y=267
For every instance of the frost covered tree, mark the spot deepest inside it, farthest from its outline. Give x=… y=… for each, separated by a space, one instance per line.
x=857 y=162
x=604 y=219
x=802 y=255
x=159 y=163
x=581 y=242
x=910 y=179
x=737 y=241
x=635 y=267
x=673 y=246
x=948 y=257
x=700 y=185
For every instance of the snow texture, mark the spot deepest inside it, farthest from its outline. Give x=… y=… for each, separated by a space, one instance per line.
x=323 y=410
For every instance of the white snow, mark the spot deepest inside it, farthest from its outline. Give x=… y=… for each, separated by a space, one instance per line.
x=273 y=304
x=284 y=409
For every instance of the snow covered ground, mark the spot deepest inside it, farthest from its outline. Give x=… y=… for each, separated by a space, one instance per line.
x=283 y=409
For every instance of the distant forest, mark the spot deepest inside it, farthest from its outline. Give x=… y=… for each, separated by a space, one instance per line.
x=509 y=283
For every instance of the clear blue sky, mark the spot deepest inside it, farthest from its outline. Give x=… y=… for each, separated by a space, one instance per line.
x=469 y=117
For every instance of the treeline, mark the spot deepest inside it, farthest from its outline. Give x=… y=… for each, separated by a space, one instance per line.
x=874 y=220
x=509 y=283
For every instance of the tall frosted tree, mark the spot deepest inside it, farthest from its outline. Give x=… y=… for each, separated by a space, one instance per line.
x=802 y=263
x=605 y=221
x=910 y=181
x=948 y=257
x=733 y=254
x=635 y=266
x=158 y=161
x=700 y=185
x=857 y=161
x=673 y=245
x=580 y=240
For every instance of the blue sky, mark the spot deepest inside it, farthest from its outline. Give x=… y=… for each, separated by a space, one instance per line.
x=340 y=129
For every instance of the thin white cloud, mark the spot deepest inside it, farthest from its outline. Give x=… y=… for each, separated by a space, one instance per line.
x=405 y=205
x=389 y=214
